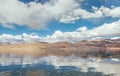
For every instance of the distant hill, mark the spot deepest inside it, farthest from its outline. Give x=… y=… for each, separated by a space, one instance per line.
x=85 y=48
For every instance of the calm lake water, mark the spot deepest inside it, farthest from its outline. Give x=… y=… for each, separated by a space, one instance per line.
x=11 y=65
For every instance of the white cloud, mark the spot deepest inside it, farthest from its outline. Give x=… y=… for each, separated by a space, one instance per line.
x=107 y=29
x=7 y=38
x=113 y=12
x=82 y=29
x=30 y=38
x=33 y=14
x=82 y=33
x=79 y=13
x=37 y=15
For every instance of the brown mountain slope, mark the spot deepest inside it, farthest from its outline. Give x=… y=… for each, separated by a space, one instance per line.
x=84 y=48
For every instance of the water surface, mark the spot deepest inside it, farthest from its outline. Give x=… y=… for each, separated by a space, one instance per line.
x=11 y=65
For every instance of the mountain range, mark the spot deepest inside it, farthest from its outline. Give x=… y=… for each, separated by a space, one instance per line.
x=85 y=48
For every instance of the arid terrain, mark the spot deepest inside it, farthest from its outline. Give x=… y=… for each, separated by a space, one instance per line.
x=85 y=48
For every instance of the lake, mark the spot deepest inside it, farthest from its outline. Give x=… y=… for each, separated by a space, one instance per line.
x=11 y=65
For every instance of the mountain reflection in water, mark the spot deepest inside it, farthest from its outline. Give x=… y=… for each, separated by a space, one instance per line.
x=11 y=65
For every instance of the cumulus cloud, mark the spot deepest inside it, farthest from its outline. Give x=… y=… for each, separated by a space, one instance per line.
x=96 y=13
x=82 y=33
x=37 y=15
x=82 y=29
x=33 y=14
x=8 y=38
x=30 y=38
x=113 y=12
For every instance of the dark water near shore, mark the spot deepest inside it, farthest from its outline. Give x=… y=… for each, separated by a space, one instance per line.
x=48 y=73
x=44 y=70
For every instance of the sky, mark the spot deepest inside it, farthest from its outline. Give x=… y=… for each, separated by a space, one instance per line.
x=58 y=20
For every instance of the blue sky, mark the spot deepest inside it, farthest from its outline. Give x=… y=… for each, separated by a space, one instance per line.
x=45 y=17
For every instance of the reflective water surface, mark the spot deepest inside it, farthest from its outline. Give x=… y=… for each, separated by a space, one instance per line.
x=11 y=65
x=48 y=73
